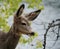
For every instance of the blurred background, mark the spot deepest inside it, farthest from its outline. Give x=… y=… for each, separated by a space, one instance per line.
x=50 y=14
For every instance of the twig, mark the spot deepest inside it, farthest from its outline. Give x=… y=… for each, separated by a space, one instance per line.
x=50 y=26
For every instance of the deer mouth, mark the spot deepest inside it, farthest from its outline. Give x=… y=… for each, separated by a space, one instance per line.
x=31 y=34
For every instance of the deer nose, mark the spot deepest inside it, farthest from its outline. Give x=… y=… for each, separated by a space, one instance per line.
x=32 y=33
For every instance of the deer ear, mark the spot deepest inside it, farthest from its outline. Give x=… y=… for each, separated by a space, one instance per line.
x=33 y=15
x=20 y=10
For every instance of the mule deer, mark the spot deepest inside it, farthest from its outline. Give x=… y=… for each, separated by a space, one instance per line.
x=20 y=26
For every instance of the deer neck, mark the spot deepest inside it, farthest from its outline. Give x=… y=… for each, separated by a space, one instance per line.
x=12 y=37
x=14 y=30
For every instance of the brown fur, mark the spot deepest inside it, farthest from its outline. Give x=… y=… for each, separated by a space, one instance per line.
x=20 y=26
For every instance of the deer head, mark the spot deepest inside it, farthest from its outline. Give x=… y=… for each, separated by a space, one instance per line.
x=22 y=22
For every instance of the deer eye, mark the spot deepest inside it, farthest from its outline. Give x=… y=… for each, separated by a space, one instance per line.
x=23 y=23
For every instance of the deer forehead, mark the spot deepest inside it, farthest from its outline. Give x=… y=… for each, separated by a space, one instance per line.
x=23 y=19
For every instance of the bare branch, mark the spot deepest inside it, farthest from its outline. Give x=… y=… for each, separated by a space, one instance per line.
x=50 y=26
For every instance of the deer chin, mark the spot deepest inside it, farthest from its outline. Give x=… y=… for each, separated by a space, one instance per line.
x=29 y=34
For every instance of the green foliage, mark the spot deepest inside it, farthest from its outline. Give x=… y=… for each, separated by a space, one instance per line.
x=39 y=44
x=7 y=8
x=3 y=24
x=29 y=40
x=23 y=40
x=32 y=37
x=35 y=3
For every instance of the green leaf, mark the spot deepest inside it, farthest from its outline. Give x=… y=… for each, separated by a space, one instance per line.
x=39 y=44
x=22 y=40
